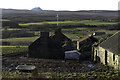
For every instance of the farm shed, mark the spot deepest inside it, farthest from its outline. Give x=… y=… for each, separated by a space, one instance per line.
x=108 y=52
x=72 y=54
x=51 y=47
x=88 y=40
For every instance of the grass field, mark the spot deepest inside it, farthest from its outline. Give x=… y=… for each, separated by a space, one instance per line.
x=73 y=34
x=12 y=29
x=14 y=49
x=4 y=20
x=22 y=39
x=86 y=22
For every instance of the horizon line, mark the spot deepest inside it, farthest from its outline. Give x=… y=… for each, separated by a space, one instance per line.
x=56 y=10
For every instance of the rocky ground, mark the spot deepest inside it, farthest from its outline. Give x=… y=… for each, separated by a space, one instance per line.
x=48 y=68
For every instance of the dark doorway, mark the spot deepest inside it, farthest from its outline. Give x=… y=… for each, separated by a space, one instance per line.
x=105 y=57
x=96 y=55
x=93 y=58
x=113 y=57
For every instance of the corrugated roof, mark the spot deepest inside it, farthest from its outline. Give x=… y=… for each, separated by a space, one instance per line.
x=112 y=44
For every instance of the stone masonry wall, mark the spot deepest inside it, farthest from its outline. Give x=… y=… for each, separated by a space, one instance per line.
x=110 y=61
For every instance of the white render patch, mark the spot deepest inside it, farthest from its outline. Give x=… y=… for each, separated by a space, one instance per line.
x=72 y=54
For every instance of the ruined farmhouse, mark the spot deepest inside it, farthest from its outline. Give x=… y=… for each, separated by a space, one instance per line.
x=51 y=47
x=108 y=52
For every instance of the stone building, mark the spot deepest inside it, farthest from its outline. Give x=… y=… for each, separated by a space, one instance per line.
x=108 y=52
x=86 y=42
x=52 y=47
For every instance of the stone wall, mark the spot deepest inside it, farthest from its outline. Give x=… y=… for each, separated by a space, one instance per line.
x=109 y=59
x=119 y=62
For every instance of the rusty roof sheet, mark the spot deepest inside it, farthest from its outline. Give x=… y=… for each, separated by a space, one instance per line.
x=84 y=38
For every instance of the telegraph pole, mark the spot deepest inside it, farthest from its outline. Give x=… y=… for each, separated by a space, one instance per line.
x=57 y=19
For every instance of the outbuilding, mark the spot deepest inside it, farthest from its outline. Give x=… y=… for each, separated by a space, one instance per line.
x=85 y=43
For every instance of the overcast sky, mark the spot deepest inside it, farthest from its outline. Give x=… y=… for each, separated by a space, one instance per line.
x=61 y=4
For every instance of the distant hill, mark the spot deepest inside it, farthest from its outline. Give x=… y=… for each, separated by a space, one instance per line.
x=37 y=8
x=26 y=16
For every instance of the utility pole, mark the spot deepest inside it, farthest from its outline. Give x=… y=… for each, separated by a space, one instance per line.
x=57 y=19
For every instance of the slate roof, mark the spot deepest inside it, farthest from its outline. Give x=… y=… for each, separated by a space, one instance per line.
x=112 y=44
